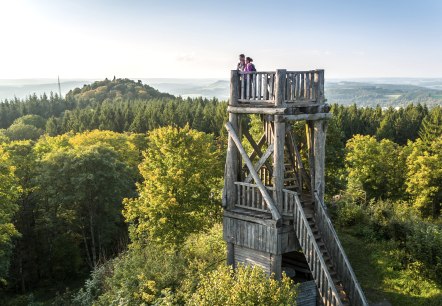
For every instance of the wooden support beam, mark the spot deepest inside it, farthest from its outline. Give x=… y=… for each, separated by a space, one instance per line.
x=256 y=148
x=309 y=117
x=279 y=134
x=320 y=131
x=231 y=254
x=311 y=157
x=292 y=158
x=303 y=173
x=232 y=161
x=276 y=266
x=256 y=110
x=269 y=201
x=260 y=143
x=235 y=215
x=260 y=162
x=278 y=160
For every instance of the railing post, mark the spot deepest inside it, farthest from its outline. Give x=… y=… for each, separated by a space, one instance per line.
x=232 y=161
x=280 y=83
x=320 y=74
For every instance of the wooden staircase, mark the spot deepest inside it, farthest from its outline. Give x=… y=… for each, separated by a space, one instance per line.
x=326 y=256
x=330 y=271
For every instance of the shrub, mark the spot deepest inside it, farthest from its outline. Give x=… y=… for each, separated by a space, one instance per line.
x=244 y=286
x=348 y=213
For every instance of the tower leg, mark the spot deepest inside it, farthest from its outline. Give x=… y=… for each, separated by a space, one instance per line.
x=232 y=161
x=320 y=129
x=275 y=266
x=230 y=254
x=278 y=160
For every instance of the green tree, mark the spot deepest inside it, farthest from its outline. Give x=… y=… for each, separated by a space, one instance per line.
x=424 y=177
x=182 y=171
x=243 y=286
x=23 y=131
x=35 y=120
x=83 y=188
x=23 y=268
x=334 y=158
x=378 y=168
x=51 y=127
x=8 y=195
x=432 y=125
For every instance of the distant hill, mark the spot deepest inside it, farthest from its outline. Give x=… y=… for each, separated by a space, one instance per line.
x=372 y=94
x=364 y=92
x=209 y=88
x=117 y=89
x=10 y=89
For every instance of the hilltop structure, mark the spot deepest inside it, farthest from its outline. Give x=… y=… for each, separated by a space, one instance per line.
x=273 y=198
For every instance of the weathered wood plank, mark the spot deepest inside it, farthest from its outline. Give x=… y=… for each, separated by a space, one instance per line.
x=256 y=110
x=310 y=117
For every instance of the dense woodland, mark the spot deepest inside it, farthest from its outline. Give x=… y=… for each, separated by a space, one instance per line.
x=106 y=199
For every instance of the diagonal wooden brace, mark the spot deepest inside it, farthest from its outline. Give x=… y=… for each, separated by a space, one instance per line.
x=257 y=149
x=260 y=162
x=265 y=195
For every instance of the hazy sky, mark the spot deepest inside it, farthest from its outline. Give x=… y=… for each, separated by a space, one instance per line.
x=202 y=39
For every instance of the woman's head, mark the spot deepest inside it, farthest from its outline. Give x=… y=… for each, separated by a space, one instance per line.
x=249 y=59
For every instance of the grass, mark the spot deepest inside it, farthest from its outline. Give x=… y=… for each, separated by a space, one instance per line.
x=379 y=269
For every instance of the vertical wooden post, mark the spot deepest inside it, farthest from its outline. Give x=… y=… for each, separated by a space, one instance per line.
x=320 y=129
x=232 y=165
x=320 y=98
x=278 y=153
x=231 y=254
x=232 y=162
x=311 y=153
x=280 y=86
x=276 y=265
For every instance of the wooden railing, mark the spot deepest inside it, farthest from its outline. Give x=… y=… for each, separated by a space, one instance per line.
x=342 y=265
x=288 y=204
x=305 y=86
x=313 y=255
x=259 y=87
x=249 y=197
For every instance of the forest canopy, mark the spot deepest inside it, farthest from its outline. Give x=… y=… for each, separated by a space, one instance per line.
x=94 y=185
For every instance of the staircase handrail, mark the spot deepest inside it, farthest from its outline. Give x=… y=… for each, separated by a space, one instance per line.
x=340 y=260
x=313 y=255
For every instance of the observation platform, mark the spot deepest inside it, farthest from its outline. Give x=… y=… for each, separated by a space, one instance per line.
x=297 y=95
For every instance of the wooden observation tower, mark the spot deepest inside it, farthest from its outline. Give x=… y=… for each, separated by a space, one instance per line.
x=273 y=198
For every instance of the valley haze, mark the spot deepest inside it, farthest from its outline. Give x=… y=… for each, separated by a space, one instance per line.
x=385 y=92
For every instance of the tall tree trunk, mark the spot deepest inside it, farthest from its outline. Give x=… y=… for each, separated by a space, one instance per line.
x=93 y=247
